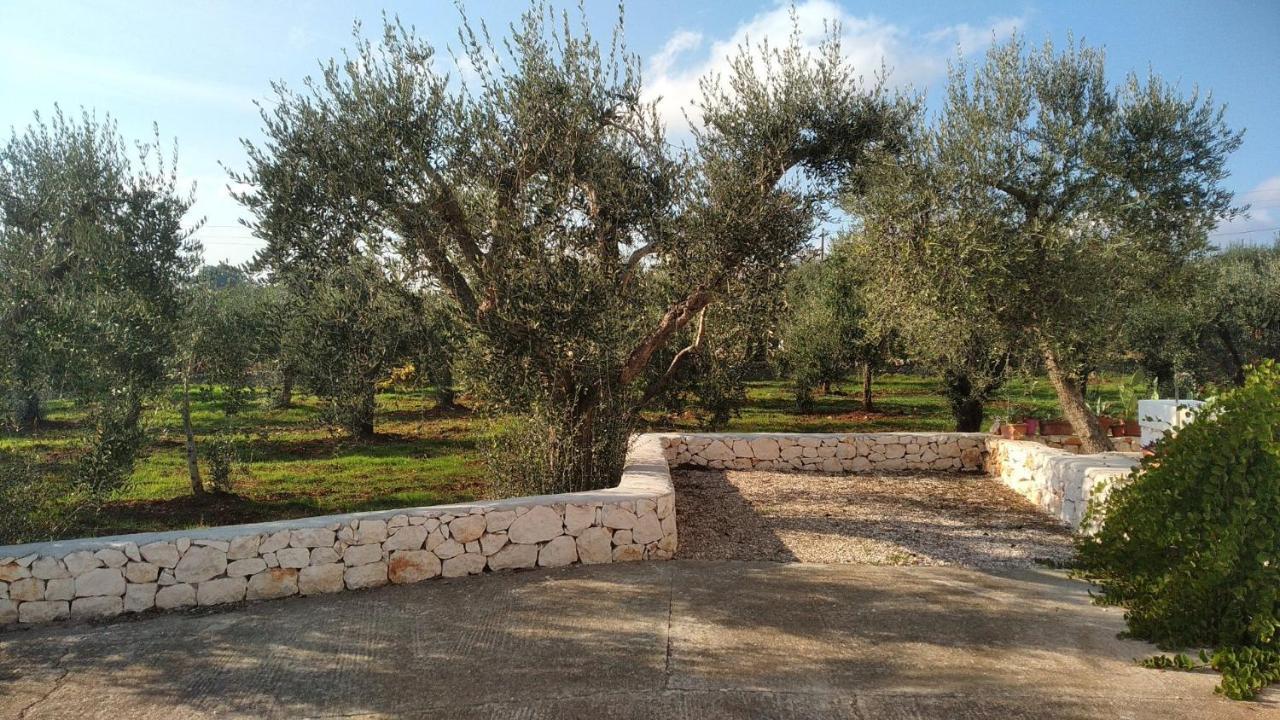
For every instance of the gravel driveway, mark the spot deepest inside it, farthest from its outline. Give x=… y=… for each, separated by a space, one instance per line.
x=908 y=519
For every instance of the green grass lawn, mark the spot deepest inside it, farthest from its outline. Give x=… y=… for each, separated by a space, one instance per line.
x=295 y=466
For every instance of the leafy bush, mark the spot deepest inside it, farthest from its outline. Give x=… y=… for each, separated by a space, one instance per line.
x=222 y=455
x=36 y=505
x=1190 y=545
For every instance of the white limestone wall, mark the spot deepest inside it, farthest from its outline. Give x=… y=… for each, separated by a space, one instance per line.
x=1057 y=481
x=827 y=452
x=108 y=576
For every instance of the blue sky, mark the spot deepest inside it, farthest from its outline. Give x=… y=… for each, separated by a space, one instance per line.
x=195 y=68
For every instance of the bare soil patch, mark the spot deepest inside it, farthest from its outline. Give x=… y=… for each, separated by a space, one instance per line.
x=901 y=519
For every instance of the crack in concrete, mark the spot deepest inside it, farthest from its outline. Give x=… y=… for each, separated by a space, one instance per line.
x=57 y=684
x=671 y=591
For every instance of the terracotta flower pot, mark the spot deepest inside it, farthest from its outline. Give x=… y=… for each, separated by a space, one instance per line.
x=1132 y=428
x=1056 y=427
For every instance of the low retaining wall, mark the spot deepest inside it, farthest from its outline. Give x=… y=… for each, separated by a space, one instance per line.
x=828 y=452
x=103 y=577
x=1059 y=482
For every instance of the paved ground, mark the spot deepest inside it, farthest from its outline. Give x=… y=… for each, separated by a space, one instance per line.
x=684 y=639
x=904 y=519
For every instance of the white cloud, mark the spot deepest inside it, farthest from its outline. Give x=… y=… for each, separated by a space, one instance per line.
x=1263 y=220
x=912 y=58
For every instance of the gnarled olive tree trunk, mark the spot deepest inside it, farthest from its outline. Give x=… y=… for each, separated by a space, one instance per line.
x=1071 y=400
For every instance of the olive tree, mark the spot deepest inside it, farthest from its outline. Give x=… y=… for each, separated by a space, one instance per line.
x=1049 y=194
x=92 y=258
x=537 y=189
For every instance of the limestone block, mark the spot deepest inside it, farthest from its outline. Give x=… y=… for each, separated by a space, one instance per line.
x=274 y=541
x=220 y=591
x=717 y=450
x=60 y=589
x=628 y=553
x=465 y=564
x=449 y=549
x=245 y=567
x=325 y=556
x=139 y=597
x=560 y=551
x=26 y=589
x=765 y=449
x=103 y=581
x=243 y=547
x=200 y=563
x=366 y=576
x=435 y=538
x=622 y=537
x=43 y=611
x=538 y=525
x=111 y=558
x=321 y=579
x=491 y=543
x=467 y=528
x=513 y=556
x=409 y=537
x=311 y=538
x=175 y=596
x=361 y=555
x=371 y=531
x=79 y=563
x=619 y=518
x=141 y=572
x=595 y=545
x=8 y=612
x=648 y=529
x=499 y=520
x=47 y=568
x=272 y=584
x=578 y=518
x=410 y=566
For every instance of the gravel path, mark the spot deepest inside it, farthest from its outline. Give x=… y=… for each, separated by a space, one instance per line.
x=910 y=519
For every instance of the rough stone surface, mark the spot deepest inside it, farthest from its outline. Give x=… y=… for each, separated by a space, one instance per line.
x=26 y=590
x=514 y=556
x=560 y=551
x=60 y=589
x=538 y=525
x=272 y=584
x=140 y=597
x=410 y=537
x=92 y=608
x=366 y=576
x=103 y=581
x=243 y=547
x=311 y=538
x=465 y=564
x=43 y=611
x=175 y=596
x=362 y=555
x=220 y=591
x=321 y=579
x=200 y=563
x=297 y=557
x=246 y=567
x=410 y=566
x=595 y=545
x=141 y=572
x=467 y=528
x=162 y=554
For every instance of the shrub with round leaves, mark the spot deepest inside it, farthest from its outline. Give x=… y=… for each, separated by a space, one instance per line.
x=1189 y=545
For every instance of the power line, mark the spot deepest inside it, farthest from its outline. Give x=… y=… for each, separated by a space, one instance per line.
x=1246 y=232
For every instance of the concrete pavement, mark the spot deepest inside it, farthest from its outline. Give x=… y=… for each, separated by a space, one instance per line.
x=680 y=639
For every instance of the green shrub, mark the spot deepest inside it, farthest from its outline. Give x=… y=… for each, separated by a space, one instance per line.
x=1190 y=545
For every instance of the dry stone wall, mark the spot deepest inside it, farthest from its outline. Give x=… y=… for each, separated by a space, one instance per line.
x=104 y=577
x=828 y=452
x=1057 y=481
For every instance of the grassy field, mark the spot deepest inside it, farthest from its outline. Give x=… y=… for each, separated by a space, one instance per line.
x=295 y=466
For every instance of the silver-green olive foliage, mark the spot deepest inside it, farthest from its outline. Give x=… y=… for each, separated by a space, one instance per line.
x=535 y=185
x=1051 y=197
x=92 y=258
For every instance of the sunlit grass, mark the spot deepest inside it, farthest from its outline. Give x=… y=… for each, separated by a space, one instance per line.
x=294 y=465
